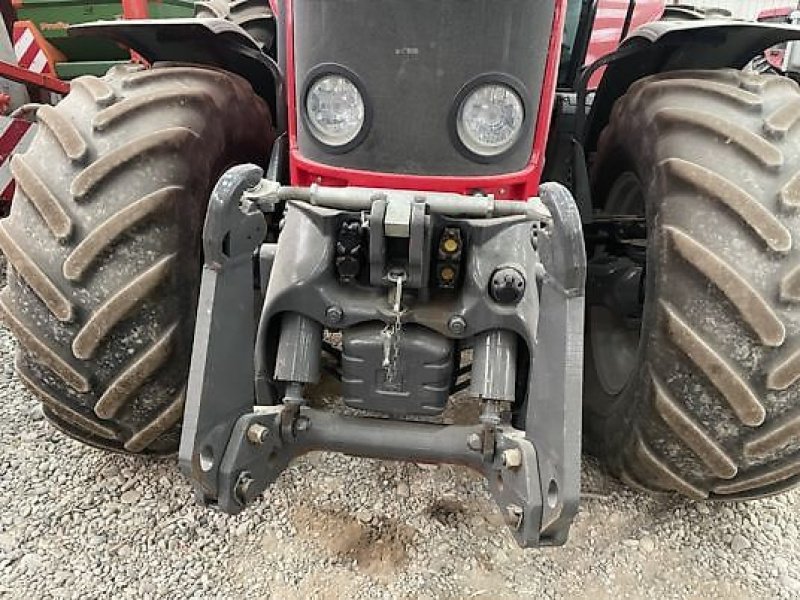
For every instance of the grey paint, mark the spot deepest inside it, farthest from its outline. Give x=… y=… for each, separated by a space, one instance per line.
x=428 y=358
x=220 y=384
x=494 y=366
x=299 y=349
x=532 y=472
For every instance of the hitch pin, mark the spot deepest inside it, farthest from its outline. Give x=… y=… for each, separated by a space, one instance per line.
x=391 y=331
x=396 y=276
x=387 y=348
x=398 y=294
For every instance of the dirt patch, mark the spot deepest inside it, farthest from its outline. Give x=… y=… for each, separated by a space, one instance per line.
x=449 y=512
x=318 y=586
x=378 y=547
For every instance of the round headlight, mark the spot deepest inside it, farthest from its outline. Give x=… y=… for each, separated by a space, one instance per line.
x=490 y=119
x=334 y=109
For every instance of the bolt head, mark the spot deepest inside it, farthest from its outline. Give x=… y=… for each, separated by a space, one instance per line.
x=513 y=516
x=257 y=434
x=449 y=245
x=334 y=314
x=243 y=483
x=512 y=458
x=474 y=442
x=457 y=324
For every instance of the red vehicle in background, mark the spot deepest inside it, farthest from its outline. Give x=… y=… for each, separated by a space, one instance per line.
x=777 y=54
x=614 y=20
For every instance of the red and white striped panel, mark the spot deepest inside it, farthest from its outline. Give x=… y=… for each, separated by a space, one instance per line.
x=29 y=55
x=15 y=136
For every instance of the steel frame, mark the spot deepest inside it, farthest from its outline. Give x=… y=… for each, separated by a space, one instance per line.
x=237 y=439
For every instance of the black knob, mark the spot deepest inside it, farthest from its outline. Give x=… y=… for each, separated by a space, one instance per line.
x=507 y=285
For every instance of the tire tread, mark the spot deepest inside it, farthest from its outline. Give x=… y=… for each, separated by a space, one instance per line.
x=714 y=408
x=101 y=289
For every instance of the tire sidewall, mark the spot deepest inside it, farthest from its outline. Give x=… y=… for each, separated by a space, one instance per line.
x=609 y=417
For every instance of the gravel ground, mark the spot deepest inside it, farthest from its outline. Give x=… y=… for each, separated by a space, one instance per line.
x=79 y=523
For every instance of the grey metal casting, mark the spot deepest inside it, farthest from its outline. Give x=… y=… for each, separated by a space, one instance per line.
x=494 y=366
x=425 y=386
x=403 y=327
x=220 y=386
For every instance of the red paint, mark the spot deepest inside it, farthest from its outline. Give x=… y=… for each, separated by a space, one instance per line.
x=608 y=27
x=11 y=136
x=9 y=139
x=775 y=14
x=518 y=185
x=775 y=55
x=6 y=197
x=47 y=82
x=522 y=184
x=38 y=49
x=290 y=77
x=29 y=55
x=135 y=9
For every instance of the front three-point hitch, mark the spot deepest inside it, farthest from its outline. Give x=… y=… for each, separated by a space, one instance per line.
x=415 y=283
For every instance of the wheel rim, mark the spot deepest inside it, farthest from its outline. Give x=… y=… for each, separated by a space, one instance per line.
x=615 y=341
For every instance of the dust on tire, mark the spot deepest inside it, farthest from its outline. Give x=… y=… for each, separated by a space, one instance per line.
x=713 y=410
x=103 y=244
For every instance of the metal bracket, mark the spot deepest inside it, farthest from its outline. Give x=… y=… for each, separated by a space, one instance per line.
x=553 y=420
x=377 y=245
x=222 y=353
x=233 y=449
x=393 y=216
x=261 y=448
x=397 y=220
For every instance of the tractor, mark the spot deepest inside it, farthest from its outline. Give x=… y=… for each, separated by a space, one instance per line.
x=422 y=199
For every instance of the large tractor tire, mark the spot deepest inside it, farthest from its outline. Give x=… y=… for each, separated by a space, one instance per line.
x=701 y=395
x=104 y=244
x=254 y=16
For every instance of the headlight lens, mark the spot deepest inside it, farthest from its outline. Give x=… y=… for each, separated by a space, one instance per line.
x=490 y=119
x=335 y=110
